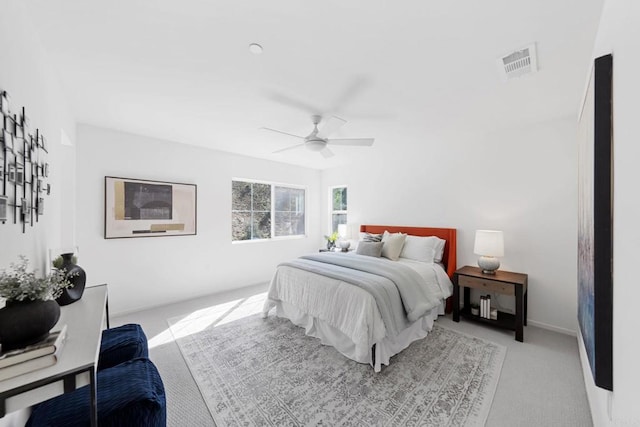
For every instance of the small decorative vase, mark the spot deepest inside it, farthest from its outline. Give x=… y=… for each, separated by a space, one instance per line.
x=344 y=245
x=26 y=322
x=77 y=276
x=330 y=245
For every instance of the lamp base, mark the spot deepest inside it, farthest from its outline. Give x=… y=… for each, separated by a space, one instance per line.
x=488 y=264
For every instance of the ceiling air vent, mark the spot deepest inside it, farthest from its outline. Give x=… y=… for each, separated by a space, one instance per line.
x=518 y=63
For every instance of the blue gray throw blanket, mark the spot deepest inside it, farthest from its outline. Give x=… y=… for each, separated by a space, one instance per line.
x=400 y=293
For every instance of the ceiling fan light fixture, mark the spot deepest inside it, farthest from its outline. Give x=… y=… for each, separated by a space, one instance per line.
x=316 y=144
x=255 y=48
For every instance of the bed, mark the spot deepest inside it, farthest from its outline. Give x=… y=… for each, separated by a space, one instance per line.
x=367 y=308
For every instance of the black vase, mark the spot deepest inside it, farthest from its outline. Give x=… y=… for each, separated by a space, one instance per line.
x=74 y=274
x=26 y=322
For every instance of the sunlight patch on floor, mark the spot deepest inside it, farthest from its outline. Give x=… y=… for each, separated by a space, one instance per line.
x=215 y=315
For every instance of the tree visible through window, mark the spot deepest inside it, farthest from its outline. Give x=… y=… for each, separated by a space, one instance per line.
x=260 y=210
x=338 y=207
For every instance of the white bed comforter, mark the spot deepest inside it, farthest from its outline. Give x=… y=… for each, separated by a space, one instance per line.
x=339 y=305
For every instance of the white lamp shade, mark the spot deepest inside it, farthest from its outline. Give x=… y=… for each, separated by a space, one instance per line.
x=489 y=243
x=342 y=230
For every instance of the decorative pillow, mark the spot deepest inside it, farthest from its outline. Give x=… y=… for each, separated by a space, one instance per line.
x=370 y=248
x=368 y=237
x=421 y=248
x=392 y=245
x=439 y=251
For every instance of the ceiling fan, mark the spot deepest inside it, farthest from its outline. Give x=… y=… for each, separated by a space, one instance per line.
x=318 y=140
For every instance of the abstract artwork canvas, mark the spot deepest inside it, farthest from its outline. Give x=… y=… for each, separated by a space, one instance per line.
x=144 y=208
x=595 y=223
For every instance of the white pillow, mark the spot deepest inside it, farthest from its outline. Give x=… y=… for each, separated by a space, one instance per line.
x=393 y=244
x=439 y=251
x=425 y=249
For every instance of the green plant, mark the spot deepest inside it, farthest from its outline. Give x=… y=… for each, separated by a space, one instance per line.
x=57 y=263
x=20 y=284
x=333 y=237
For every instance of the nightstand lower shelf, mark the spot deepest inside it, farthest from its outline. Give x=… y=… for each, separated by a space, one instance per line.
x=505 y=320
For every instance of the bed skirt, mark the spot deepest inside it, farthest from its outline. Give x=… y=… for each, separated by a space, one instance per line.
x=384 y=349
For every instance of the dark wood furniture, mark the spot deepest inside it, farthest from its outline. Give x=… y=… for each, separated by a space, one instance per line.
x=502 y=282
x=77 y=364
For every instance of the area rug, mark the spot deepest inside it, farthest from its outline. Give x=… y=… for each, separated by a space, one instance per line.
x=267 y=372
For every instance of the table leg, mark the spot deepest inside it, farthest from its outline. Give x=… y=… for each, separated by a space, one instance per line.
x=519 y=314
x=94 y=397
x=456 y=299
x=69 y=382
x=107 y=310
x=526 y=304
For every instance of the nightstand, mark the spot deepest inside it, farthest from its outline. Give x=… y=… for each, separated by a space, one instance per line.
x=502 y=282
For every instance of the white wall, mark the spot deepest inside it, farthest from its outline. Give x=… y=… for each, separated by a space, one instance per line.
x=619 y=34
x=521 y=181
x=144 y=272
x=26 y=75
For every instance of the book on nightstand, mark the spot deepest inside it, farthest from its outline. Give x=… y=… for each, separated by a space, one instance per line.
x=35 y=356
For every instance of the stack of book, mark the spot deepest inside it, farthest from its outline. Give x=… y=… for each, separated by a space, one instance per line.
x=36 y=356
x=486 y=311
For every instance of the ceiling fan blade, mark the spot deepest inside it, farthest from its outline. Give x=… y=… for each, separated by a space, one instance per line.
x=293 y=103
x=288 y=148
x=354 y=88
x=362 y=142
x=284 y=133
x=331 y=125
x=326 y=153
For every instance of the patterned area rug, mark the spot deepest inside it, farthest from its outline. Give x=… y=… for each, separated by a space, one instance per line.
x=267 y=372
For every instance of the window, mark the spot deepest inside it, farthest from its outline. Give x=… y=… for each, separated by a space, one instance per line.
x=261 y=210
x=289 y=211
x=338 y=207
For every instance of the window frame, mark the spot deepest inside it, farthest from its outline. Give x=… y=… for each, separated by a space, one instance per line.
x=337 y=212
x=273 y=185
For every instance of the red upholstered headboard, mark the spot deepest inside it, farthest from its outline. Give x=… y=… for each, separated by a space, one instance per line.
x=448 y=234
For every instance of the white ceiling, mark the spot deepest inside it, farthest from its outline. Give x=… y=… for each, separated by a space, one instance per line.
x=405 y=73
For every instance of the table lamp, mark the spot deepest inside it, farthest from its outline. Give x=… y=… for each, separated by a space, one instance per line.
x=344 y=242
x=489 y=244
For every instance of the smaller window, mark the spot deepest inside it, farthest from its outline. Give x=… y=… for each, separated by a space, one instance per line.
x=338 y=207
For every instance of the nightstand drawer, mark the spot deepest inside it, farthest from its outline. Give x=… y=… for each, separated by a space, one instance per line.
x=486 y=285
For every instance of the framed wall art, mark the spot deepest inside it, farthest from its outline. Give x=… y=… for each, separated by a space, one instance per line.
x=595 y=223
x=145 y=208
x=21 y=157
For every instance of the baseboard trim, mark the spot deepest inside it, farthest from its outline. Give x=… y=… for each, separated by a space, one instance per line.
x=599 y=399
x=553 y=328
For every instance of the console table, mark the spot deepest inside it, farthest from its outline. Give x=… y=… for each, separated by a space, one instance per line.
x=76 y=366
